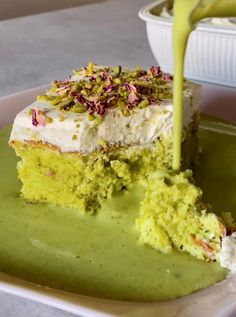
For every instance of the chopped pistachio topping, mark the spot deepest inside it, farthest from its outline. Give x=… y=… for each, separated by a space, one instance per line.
x=102 y=142
x=90 y=69
x=74 y=137
x=90 y=117
x=30 y=111
x=144 y=103
x=62 y=118
x=101 y=88
x=49 y=120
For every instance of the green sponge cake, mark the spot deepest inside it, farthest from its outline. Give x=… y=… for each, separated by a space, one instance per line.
x=97 y=132
x=173 y=215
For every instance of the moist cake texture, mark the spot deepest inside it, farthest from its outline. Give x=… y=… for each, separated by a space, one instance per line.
x=96 y=133
x=173 y=214
x=107 y=127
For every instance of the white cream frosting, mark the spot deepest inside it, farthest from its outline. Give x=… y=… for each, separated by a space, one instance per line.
x=213 y=21
x=222 y=21
x=228 y=253
x=77 y=134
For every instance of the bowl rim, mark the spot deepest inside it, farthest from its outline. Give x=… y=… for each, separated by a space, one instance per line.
x=146 y=15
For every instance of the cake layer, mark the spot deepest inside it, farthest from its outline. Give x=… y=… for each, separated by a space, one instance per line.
x=95 y=134
x=132 y=119
x=85 y=181
x=172 y=214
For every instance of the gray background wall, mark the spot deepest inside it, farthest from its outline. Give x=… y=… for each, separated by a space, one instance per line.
x=15 y=8
x=36 y=49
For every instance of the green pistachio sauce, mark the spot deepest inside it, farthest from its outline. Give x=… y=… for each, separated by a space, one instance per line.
x=186 y=14
x=100 y=255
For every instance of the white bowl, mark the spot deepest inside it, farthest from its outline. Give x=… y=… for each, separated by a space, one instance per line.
x=211 y=51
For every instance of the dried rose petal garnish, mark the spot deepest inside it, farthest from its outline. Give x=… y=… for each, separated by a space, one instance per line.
x=38 y=118
x=156 y=70
x=205 y=246
x=167 y=77
x=108 y=88
x=133 y=96
x=100 y=88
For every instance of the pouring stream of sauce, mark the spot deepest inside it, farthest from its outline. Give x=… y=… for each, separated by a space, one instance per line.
x=186 y=14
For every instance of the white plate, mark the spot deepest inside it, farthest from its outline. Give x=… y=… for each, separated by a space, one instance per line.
x=218 y=300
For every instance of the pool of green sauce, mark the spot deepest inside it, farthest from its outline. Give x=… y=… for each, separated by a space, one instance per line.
x=100 y=255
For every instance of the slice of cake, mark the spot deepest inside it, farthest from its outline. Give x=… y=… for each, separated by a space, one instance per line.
x=97 y=132
x=172 y=215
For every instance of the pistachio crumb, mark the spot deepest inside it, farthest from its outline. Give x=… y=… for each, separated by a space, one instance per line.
x=165 y=111
x=74 y=137
x=49 y=120
x=90 y=68
x=126 y=112
x=62 y=118
x=143 y=104
x=90 y=117
x=30 y=112
x=98 y=120
x=84 y=92
x=102 y=142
